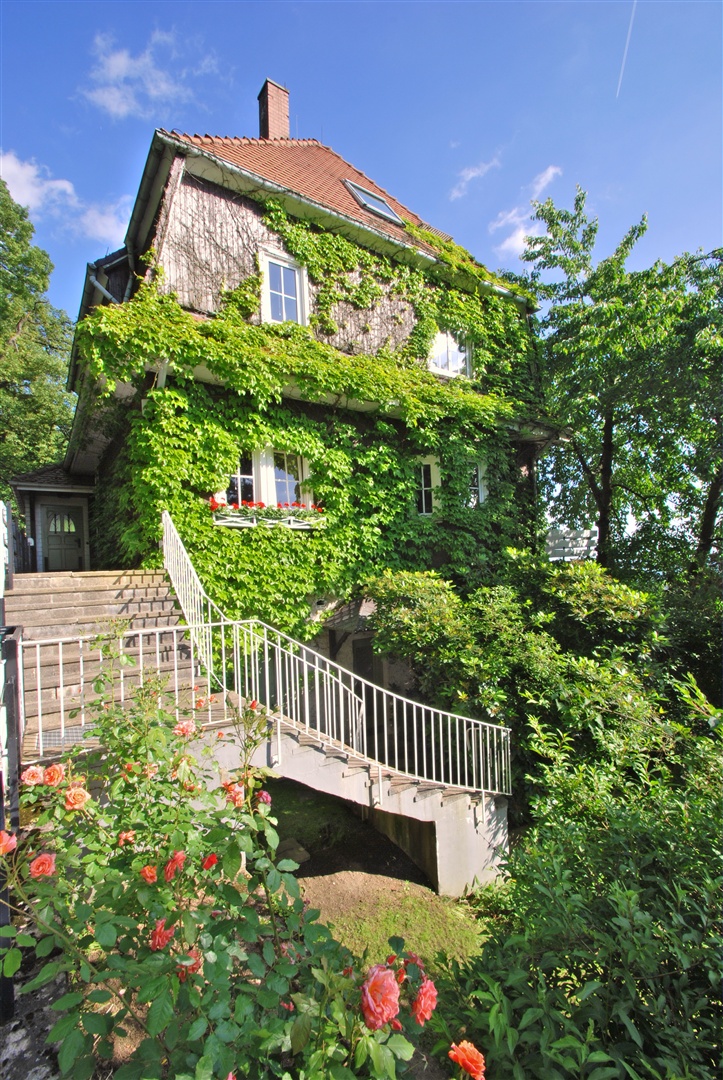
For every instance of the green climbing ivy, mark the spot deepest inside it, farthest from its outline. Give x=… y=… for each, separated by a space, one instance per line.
x=225 y=391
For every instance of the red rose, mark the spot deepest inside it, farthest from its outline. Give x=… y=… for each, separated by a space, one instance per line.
x=185 y=969
x=425 y=1002
x=468 y=1056
x=174 y=865
x=379 y=997
x=209 y=861
x=160 y=936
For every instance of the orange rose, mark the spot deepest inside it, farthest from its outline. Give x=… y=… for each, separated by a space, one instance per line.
x=128 y=837
x=76 y=798
x=379 y=997
x=149 y=874
x=43 y=866
x=54 y=774
x=469 y=1058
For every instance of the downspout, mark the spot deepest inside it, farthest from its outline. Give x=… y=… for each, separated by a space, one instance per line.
x=101 y=288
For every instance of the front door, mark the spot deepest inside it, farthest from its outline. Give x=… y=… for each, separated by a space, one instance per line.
x=63 y=538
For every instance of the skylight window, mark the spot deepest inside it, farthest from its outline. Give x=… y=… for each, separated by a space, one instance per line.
x=373 y=202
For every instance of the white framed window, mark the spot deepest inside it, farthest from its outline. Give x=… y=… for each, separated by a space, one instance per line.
x=478 y=490
x=428 y=480
x=271 y=477
x=447 y=356
x=284 y=294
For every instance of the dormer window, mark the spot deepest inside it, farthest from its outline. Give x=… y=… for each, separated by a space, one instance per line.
x=370 y=201
x=284 y=289
x=447 y=356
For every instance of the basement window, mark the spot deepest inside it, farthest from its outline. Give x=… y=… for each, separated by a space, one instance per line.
x=370 y=201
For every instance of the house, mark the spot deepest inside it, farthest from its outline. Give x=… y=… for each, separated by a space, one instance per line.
x=279 y=329
x=291 y=371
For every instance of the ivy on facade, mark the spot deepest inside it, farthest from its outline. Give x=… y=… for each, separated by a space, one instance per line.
x=178 y=442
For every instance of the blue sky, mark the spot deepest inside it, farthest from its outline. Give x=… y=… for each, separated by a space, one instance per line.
x=463 y=111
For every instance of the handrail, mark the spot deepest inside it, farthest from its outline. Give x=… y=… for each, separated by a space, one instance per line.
x=335 y=705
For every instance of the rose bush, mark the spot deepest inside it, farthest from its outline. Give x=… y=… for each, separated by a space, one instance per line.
x=152 y=884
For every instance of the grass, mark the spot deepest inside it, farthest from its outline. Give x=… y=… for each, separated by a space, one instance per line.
x=387 y=906
x=429 y=924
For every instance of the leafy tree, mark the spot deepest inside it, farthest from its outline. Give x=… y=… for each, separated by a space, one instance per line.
x=35 y=410
x=630 y=360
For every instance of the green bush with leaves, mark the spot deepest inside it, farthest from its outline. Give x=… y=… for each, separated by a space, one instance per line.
x=603 y=959
x=151 y=881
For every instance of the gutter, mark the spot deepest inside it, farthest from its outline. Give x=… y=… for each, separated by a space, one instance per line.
x=255 y=182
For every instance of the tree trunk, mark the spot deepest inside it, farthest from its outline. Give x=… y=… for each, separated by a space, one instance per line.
x=605 y=502
x=706 y=536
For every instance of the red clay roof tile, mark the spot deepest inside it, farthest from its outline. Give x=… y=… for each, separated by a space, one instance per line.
x=313 y=171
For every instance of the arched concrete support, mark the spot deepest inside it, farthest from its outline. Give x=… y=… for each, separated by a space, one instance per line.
x=466 y=833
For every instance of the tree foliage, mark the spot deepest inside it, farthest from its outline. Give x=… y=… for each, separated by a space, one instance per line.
x=630 y=362
x=35 y=410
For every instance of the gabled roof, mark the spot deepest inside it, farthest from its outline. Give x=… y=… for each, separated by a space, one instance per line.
x=313 y=171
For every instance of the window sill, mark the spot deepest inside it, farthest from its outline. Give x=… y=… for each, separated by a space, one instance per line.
x=233 y=521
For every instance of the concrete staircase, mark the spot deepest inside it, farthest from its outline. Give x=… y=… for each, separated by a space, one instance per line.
x=70 y=606
x=76 y=604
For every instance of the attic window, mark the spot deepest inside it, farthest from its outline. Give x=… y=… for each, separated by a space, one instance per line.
x=373 y=202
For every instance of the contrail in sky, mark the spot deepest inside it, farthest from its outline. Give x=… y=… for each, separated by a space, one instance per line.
x=627 y=45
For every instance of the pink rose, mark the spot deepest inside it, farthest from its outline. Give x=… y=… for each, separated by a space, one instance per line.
x=8 y=842
x=425 y=1002
x=379 y=997
x=34 y=774
x=43 y=866
x=186 y=728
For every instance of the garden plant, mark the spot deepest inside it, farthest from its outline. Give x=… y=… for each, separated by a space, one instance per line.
x=150 y=881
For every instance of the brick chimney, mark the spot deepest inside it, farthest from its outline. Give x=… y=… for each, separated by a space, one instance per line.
x=273 y=111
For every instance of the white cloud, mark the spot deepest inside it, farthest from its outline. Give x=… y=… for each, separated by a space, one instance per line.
x=106 y=223
x=544 y=179
x=33 y=186
x=124 y=85
x=514 y=244
x=518 y=219
x=472 y=172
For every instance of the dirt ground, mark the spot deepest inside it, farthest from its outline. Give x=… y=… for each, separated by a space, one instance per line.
x=360 y=877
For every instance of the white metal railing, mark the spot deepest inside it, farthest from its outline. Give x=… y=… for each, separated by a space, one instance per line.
x=297 y=684
x=60 y=687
